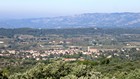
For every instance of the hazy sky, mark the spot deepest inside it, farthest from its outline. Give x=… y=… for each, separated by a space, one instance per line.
x=46 y=8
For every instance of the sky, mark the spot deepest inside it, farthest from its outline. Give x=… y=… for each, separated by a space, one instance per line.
x=52 y=8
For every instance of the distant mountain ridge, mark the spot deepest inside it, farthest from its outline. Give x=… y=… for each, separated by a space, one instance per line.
x=77 y=21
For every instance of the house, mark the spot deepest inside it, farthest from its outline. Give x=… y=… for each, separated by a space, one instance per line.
x=1 y=42
x=81 y=59
x=69 y=59
x=94 y=50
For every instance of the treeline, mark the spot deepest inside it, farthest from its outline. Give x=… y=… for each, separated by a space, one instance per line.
x=99 y=69
x=72 y=31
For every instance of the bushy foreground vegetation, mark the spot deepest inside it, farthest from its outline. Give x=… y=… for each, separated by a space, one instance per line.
x=113 y=68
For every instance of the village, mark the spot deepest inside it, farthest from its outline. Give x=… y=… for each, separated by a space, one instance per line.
x=53 y=46
x=59 y=53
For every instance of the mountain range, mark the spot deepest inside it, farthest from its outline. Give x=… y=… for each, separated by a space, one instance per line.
x=102 y=20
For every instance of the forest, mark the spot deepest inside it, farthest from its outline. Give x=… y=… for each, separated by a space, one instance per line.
x=68 y=31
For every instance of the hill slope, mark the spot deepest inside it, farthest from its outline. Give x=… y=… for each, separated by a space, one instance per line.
x=77 y=21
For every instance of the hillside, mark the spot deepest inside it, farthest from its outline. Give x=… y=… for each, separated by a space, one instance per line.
x=77 y=21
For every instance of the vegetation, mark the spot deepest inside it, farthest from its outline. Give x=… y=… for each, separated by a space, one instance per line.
x=102 y=68
x=122 y=63
x=65 y=32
